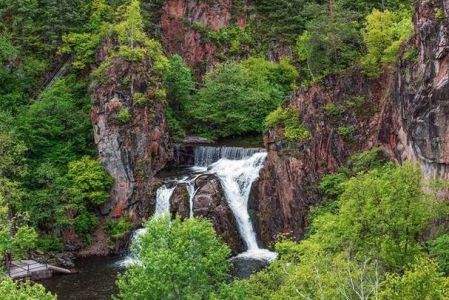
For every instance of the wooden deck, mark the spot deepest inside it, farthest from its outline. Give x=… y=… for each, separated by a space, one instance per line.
x=32 y=269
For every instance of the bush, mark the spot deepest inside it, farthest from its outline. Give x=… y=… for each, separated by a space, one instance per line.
x=383 y=35
x=85 y=222
x=11 y=290
x=139 y=99
x=123 y=116
x=237 y=97
x=421 y=281
x=178 y=260
x=49 y=243
x=117 y=229
x=294 y=129
x=439 y=250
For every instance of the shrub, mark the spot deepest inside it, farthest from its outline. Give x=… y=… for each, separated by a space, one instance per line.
x=178 y=260
x=139 y=99
x=117 y=229
x=237 y=97
x=333 y=110
x=383 y=35
x=49 y=243
x=11 y=290
x=288 y=118
x=439 y=250
x=346 y=132
x=123 y=116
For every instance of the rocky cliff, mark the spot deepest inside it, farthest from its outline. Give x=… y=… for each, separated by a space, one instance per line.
x=404 y=111
x=184 y=26
x=130 y=133
x=209 y=202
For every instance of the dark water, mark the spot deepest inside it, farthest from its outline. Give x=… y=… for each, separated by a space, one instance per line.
x=95 y=280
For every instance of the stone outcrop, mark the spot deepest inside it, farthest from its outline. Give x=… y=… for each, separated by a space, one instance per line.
x=183 y=23
x=405 y=111
x=132 y=150
x=288 y=184
x=420 y=104
x=209 y=202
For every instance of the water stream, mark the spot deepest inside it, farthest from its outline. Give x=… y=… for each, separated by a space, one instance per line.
x=237 y=169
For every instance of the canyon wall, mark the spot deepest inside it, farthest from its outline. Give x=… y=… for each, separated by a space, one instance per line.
x=132 y=150
x=184 y=24
x=405 y=111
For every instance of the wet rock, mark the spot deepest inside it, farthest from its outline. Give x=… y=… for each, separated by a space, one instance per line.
x=180 y=202
x=243 y=267
x=210 y=202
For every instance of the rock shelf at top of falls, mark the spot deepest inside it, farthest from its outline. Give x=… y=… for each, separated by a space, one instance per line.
x=217 y=186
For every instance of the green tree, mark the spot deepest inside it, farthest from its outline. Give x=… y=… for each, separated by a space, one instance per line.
x=177 y=260
x=85 y=44
x=331 y=42
x=421 y=281
x=85 y=186
x=11 y=290
x=178 y=82
x=439 y=250
x=236 y=97
x=384 y=33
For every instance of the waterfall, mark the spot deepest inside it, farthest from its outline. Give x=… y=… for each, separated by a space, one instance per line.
x=237 y=169
x=190 y=185
x=237 y=178
x=204 y=156
x=163 y=195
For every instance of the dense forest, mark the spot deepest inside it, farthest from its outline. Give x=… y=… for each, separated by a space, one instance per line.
x=380 y=230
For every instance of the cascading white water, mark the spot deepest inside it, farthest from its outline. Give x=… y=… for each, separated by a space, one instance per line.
x=163 y=195
x=237 y=177
x=237 y=169
x=204 y=156
x=190 y=185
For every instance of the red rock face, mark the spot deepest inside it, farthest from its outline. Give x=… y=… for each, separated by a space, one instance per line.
x=288 y=184
x=178 y=37
x=209 y=202
x=420 y=104
x=406 y=112
x=134 y=151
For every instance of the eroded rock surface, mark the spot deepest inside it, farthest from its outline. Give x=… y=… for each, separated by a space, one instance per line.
x=209 y=202
x=135 y=150
x=183 y=23
x=405 y=111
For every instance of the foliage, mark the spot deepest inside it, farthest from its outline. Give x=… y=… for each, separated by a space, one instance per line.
x=439 y=249
x=288 y=118
x=421 y=281
x=373 y=231
x=57 y=128
x=117 y=229
x=383 y=35
x=282 y=20
x=140 y=99
x=178 y=82
x=236 y=97
x=178 y=260
x=85 y=44
x=49 y=243
x=330 y=43
x=85 y=186
x=11 y=290
x=123 y=116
